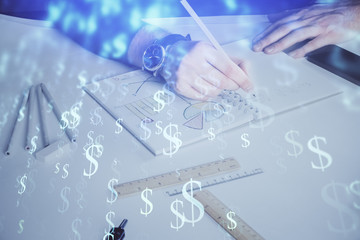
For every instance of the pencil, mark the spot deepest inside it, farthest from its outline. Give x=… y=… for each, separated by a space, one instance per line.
x=203 y=27
x=208 y=34
x=42 y=116
x=14 y=127
x=56 y=111
x=30 y=116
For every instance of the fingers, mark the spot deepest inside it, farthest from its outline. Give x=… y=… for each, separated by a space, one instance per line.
x=276 y=34
x=283 y=33
x=274 y=26
x=316 y=43
x=233 y=72
x=293 y=37
x=204 y=72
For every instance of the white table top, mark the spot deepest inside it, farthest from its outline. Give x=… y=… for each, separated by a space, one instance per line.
x=285 y=202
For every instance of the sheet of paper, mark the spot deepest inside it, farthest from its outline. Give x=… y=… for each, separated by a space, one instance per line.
x=163 y=121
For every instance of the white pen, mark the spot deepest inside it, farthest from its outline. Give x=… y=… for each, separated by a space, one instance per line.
x=206 y=31
x=31 y=116
x=42 y=115
x=203 y=27
x=13 y=130
x=56 y=111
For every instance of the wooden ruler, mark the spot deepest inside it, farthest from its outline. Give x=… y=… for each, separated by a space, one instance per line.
x=177 y=177
x=218 y=211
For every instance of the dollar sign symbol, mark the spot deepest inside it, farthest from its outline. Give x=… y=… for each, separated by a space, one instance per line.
x=290 y=138
x=21 y=226
x=193 y=202
x=330 y=195
x=66 y=173
x=64 y=192
x=212 y=134
x=114 y=194
x=147 y=131
x=57 y=168
x=144 y=197
x=90 y=155
x=75 y=117
x=33 y=144
x=21 y=113
x=74 y=227
x=108 y=217
x=319 y=152
x=119 y=126
x=355 y=191
x=64 y=123
x=23 y=186
x=244 y=137
x=174 y=141
x=159 y=128
x=230 y=216
x=158 y=98
x=175 y=210
x=98 y=117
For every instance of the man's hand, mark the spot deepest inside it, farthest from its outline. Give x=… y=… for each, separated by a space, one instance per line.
x=323 y=24
x=197 y=70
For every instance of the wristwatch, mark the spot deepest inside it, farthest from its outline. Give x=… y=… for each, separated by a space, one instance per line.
x=155 y=55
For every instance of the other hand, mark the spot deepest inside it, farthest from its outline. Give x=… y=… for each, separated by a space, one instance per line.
x=324 y=24
x=197 y=70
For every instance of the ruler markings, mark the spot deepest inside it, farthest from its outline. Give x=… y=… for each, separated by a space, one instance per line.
x=218 y=210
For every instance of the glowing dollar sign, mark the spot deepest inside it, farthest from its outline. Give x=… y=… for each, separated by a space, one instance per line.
x=172 y=136
x=65 y=169
x=21 y=226
x=158 y=97
x=75 y=117
x=114 y=194
x=74 y=228
x=175 y=209
x=23 y=185
x=330 y=194
x=193 y=201
x=230 y=216
x=95 y=149
x=147 y=131
x=64 y=192
x=355 y=191
x=108 y=234
x=119 y=126
x=297 y=147
x=320 y=153
x=144 y=197
x=64 y=122
x=33 y=144
x=211 y=133
x=245 y=137
x=96 y=118
x=159 y=128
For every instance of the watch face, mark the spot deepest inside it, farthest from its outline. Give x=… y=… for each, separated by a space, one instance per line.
x=153 y=57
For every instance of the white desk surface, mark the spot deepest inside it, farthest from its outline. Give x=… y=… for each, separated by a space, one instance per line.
x=285 y=202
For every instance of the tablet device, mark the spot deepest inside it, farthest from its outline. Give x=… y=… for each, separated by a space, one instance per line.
x=338 y=61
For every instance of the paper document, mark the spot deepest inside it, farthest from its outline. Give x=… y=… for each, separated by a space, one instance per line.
x=164 y=121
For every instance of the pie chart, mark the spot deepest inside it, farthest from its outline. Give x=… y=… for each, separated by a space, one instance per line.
x=197 y=113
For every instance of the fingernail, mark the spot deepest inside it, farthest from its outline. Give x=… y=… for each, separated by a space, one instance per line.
x=257 y=47
x=269 y=49
x=248 y=87
x=293 y=54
